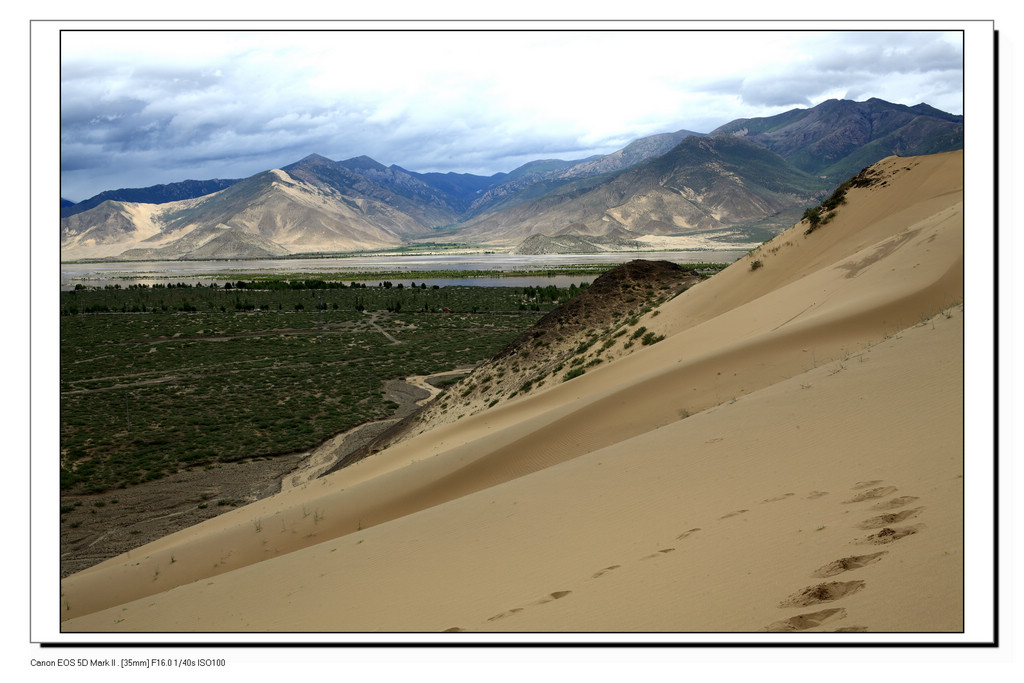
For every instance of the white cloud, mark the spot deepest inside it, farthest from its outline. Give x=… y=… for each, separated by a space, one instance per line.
x=169 y=105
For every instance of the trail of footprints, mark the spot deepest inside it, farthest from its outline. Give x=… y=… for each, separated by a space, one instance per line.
x=883 y=533
x=557 y=595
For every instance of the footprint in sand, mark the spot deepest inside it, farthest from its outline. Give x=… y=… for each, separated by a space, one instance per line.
x=777 y=498
x=894 y=503
x=822 y=592
x=816 y=494
x=664 y=551
x=509 y=613
x=847 y=563
x=852 y=629
x=598 y=575
x=865 y=484
x=733 y=514
x=687 y=533
x=802 y=622
x=557 y=595
x=889 y=519
x=888 y=535
x=871 y=494
x=454 y=629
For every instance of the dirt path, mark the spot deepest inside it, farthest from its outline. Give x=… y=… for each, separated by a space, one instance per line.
x=374 y=325
x=409 y=394
x=424 y=382
x=320 y=460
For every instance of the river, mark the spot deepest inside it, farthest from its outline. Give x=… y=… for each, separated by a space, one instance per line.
x=504 y=267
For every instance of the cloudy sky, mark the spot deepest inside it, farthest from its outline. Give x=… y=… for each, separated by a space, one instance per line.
x=140 y=108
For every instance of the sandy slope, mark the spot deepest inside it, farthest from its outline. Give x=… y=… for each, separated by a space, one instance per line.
x=804 y=413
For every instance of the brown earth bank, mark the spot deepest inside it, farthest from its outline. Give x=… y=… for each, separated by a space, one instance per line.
x=99 y=526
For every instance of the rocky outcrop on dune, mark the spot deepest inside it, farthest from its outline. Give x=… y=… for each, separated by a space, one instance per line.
x=595 y=326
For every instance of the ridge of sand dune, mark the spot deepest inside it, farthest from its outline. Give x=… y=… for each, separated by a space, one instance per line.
x=696 y=526
x=767 y=386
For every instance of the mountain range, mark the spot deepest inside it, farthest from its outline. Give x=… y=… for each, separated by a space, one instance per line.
x=743 y=182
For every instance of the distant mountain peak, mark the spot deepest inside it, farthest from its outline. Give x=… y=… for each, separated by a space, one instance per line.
x=837 y=138
x=363 y=163
x=314 y=157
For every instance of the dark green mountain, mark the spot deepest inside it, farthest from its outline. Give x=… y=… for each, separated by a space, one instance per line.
x=837 y=138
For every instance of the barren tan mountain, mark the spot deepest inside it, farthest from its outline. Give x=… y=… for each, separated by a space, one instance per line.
x=788 y=458
x=269 y=214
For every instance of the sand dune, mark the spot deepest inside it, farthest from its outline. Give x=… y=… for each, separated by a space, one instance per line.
x=788 y=458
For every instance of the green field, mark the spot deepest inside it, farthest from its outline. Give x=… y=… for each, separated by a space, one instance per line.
x=155 y=379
